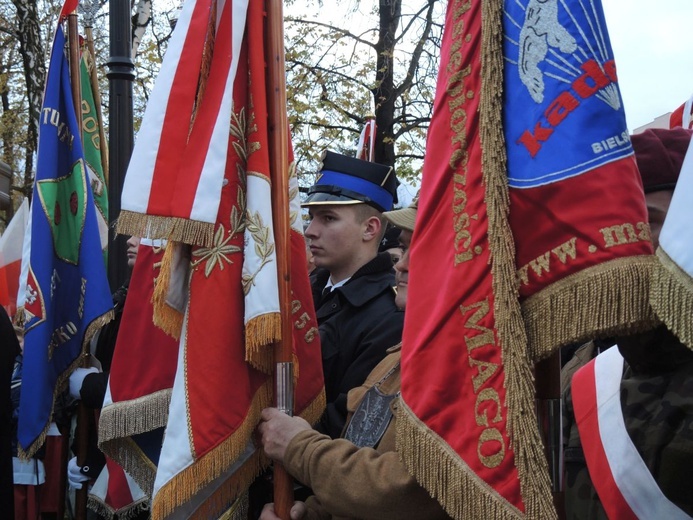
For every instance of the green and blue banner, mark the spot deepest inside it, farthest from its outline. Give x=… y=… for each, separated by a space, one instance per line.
x=67 y=292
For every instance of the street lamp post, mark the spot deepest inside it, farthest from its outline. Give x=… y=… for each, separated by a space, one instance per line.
x=121 y=136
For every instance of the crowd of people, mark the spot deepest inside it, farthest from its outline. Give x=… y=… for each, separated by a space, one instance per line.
x=347 y=463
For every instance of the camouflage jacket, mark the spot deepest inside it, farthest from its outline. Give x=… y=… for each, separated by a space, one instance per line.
x=658 y=412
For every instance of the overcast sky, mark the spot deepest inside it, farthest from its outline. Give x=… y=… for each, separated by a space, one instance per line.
x=653 y=47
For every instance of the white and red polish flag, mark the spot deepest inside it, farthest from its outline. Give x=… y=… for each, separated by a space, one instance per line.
x=173 y=183
x=232 y=315
x=11 y=258
x=683 y=115
x=366 y=145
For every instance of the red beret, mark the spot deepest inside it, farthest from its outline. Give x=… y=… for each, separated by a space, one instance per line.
x=659 y=153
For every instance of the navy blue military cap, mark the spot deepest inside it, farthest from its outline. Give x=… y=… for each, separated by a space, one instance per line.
x=347 y=180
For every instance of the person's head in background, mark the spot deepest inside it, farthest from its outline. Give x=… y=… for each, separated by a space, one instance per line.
x=390 y=243
x=405 y=220
x=659 y=153
x=133 y=244
x=345 y=207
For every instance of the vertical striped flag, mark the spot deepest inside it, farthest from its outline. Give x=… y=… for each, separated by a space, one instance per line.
x=11 y=244
x=206 y=141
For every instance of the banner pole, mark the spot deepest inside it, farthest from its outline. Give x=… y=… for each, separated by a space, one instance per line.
x=279 y=165
x=549 y=417
x=82 y=418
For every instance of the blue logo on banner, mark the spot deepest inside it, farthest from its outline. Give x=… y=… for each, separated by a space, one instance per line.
x=563 y=114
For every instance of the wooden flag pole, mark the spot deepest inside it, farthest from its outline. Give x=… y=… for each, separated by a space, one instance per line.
x=82 y=417
x=279 y=167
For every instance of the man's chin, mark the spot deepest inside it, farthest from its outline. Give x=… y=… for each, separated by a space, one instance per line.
x=401 y=298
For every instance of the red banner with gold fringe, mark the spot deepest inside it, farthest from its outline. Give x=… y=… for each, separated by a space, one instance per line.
x=487 y=214
x=225 y=362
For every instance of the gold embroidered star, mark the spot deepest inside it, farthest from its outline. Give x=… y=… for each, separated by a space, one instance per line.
x=217 y=254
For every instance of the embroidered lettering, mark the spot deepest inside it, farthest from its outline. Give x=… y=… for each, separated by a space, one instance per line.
x=488 y=409
x=595 y=78
x=625 y=234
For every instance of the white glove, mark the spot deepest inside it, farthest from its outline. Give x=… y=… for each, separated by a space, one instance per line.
x=74 y=476
x=77 y=378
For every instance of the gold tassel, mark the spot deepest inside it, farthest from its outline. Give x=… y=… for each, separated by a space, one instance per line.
x=261 y=333
x=165 y=317
x=671 y=297
x=525 y=440
x=183 y=486
x=587 y=304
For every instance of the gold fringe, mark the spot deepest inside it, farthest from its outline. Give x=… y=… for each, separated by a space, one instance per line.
x=297 y=367
x=445 y=475
x=62 y=382
x=127 y=418
x=19 y=319
x=165 y=317
x=94 y=327
x=239 y=509
x=125 y=513
x=605 y=300
x=119 y=421
x=192 y=479
x=260 y=334
x=315 y=409
x=172 y=228
x=240 y=480
x=671 y=297
x=36 y=445
x=220 y=504
x=525 y=440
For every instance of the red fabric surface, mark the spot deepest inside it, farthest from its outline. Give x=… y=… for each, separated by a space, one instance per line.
x=26 y=502
x=144 y=360
x=215 y=351
x=9 y=286
x=118 y=495
x=567 y=217
x=181 y=102
x=439 y=365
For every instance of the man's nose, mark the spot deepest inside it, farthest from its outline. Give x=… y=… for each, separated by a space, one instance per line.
x=310 y=233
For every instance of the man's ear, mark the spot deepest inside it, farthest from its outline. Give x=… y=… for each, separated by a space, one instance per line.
x=371 y=230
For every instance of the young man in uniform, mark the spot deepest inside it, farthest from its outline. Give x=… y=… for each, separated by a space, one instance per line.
x=353 y=283
x=360 y=475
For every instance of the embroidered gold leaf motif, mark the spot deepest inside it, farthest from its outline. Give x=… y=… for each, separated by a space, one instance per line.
x=293 y=194
x=264 y=247
x=217 y=254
